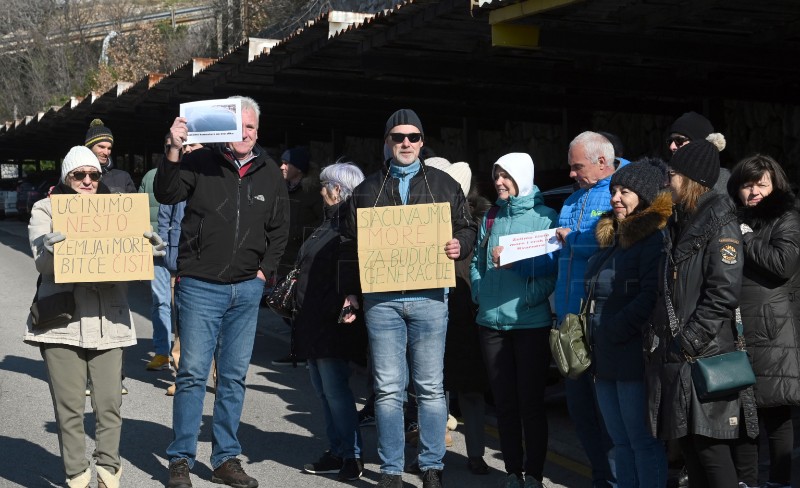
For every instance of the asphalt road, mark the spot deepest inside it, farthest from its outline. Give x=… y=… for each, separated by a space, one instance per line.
x=281 y=429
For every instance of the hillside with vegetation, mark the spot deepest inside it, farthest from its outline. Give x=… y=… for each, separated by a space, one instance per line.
x=50 y=49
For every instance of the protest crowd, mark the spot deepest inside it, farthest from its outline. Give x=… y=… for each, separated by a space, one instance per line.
x=674 y=279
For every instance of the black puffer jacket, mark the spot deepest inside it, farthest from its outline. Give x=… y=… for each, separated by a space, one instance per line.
x=429 y=185
x=233 y=225
x=317 y=333
x=769 y=292
x=117 y=180
x=705 y=271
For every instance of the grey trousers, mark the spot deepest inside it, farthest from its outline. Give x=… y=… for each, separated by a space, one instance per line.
x=68 y=368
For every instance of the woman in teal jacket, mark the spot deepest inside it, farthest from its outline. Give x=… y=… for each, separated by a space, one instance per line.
x=515 y=319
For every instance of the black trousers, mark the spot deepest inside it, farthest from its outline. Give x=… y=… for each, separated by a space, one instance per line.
x=709 y=462
x=517 y=363
x=777 y=424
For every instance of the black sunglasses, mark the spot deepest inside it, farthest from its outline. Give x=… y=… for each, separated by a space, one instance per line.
x=678 y=140
x=399 y=137
x=81 y=175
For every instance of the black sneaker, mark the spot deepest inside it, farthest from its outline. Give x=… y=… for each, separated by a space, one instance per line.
x=179 y=474
x=327 y=464
x=390 y=481
x=432 y=478
x=351 y=470
x=232 y=474
x=289 y=361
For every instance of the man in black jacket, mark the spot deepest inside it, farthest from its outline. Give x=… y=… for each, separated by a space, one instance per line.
x=233 y=233
x=413 y=319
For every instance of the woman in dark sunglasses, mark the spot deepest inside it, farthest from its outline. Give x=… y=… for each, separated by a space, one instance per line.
x=79 y=343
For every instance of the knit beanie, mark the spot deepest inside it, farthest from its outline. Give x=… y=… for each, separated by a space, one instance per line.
x=76 y=157
x=97 y=133
x=699 y=161
x=437 y=162
x=520 y=167
x=692 y=125
x=300 y=158
x=461 y=172
x=643 y=177
x=404 y=116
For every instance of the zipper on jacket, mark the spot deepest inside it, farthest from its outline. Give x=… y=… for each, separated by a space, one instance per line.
x=236 y=231
x=571 y=248
x=200 y=237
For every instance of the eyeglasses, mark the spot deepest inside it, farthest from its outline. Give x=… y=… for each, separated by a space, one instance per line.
x=81 y=175
x=678 y=140
x=399 y=137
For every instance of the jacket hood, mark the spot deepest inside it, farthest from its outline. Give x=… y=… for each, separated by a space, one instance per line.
x=638 y=226
x=771 y=207
x=520 y=167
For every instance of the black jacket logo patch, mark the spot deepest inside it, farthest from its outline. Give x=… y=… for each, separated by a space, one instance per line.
x=728 y=254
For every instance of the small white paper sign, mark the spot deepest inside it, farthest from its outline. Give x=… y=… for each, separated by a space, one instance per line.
x=213 y=120
x=528 y=245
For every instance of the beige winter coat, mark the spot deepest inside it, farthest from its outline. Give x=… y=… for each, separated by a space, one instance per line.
x=102 y=318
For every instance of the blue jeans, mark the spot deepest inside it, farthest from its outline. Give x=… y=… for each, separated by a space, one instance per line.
x=330 y=378
x=161 y=311
x=641 y=459
x=423 y=326
x=220 y=320
x=583 y=410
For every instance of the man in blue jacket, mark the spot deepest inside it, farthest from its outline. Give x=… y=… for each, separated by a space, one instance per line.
x=591 y=164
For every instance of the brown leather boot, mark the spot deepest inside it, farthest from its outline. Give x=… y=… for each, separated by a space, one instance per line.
x=179 y=474
x=232 y=474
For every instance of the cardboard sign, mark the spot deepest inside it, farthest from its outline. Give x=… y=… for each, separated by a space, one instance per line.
x=402 y=248
x=528 y=245
x=105 y=240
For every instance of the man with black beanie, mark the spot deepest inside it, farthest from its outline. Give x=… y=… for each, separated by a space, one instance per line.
x=410 y=321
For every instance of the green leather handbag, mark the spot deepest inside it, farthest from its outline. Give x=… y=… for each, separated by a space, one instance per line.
x=722 y=375
x=569 y=344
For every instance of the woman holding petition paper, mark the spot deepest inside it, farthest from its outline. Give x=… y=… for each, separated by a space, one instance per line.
x=623 y=277
x=81 y=329
x=515 y=318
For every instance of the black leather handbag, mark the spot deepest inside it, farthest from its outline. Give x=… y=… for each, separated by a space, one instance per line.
x=281 y=299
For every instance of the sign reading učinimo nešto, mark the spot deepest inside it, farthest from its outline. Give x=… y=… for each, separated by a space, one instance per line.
x=105 y=238
x=402 y=248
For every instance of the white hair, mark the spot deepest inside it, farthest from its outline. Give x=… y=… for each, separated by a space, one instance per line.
x=248 y=102
x=347 y=176
x=595 y=145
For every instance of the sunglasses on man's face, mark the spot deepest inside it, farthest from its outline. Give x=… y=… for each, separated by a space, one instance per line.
x=81 y=175
x=399 y=137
